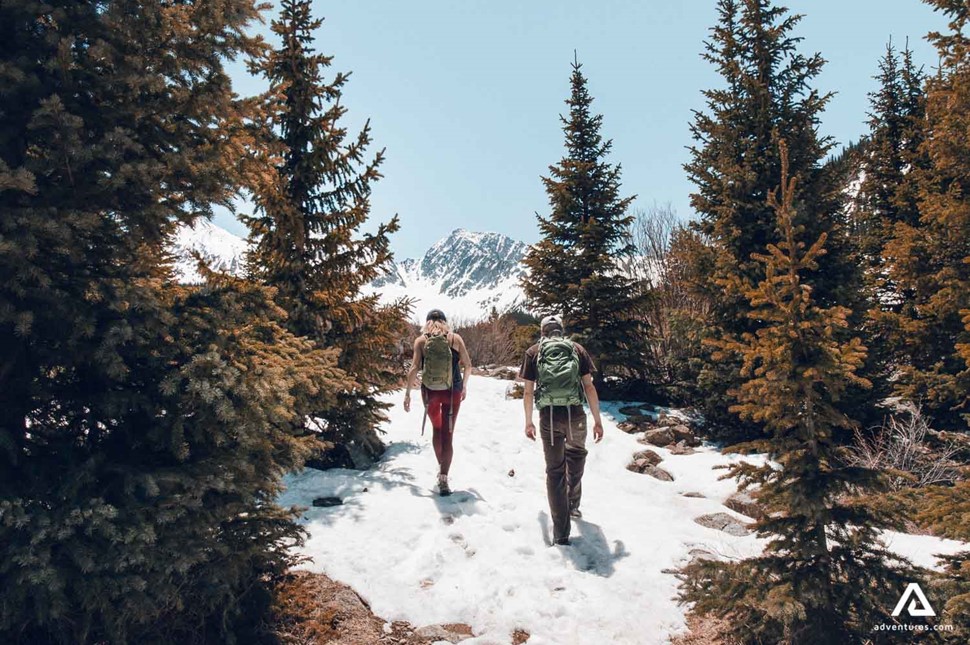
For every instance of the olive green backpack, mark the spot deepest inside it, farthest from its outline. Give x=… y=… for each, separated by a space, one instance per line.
x=437 y=373
x=558 y=373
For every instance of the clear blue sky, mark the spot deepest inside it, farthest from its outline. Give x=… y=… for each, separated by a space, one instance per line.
x=465 y=94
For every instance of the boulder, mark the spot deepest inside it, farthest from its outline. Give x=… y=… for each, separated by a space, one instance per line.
x=745 y=503
x=324 y=502
x=649 y=456
x=694 y=494
x=685 y=434
x=658 y=437
x=724 y=522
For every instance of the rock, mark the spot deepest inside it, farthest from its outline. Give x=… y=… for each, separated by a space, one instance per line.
x=745 y=503
x=724 y=522
x=512 y=472
x=694 y=494
x=520 y=637
x=658 y=437
x=327 y=501
x=633 y=427
x=451 y=633
x=685 y=434
x=649 y=456
x=640 y=419
x=658 y=473
x=681 y=448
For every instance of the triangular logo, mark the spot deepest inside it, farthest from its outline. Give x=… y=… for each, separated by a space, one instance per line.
x=916 y=611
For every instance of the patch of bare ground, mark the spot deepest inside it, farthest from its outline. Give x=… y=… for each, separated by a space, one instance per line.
x=702 y=630
x=311 y=609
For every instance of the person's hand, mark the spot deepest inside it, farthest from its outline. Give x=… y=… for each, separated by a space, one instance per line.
x=407 y=402
x=464 y=393
x=598 y=431
x=530 y=430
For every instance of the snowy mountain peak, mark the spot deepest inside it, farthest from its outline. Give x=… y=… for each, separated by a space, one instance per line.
x=466 y=274
x=221 y=250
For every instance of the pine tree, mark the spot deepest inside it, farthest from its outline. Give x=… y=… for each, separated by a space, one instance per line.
x=144 y=427
x=573 y=269
x=886 y=170
x=888 y=190
x=313 y=196
x=824 y=577
x=767 y=88
x=930 y=259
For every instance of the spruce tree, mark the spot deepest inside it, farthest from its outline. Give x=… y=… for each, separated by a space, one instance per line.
x=824 y=577
x=144 y=427
x=767 y=88
x=574 y=269
x=895 y=108
x=313 y=196
x=929 y=260
x=886 y=169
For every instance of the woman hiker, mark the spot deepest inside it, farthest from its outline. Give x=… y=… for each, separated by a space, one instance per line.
x=445 y=366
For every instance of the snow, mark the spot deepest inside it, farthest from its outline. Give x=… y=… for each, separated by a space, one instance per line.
x=222 y=250
x=481 y=556
x=471 y=306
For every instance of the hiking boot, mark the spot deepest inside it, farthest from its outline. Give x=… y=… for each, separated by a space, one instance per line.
x=576 y=514
x=443 y=488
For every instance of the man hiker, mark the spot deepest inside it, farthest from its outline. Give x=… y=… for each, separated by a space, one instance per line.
x=557 y=373
x=445 y=366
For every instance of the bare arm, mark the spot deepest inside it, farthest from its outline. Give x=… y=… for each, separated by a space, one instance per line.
x=594 y=406
x=465 y=361
x=528 y=401
x=413 y=372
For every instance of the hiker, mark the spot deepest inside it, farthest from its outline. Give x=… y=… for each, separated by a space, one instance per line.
x=439 y=353
x=557 y=373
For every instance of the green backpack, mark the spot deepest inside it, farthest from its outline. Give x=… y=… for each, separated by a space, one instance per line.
x=437 y=374
x=558 y=373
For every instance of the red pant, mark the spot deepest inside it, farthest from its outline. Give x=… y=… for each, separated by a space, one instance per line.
x=442 y=408
x=441 y=405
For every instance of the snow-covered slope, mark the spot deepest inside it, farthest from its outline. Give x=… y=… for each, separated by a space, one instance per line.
x=465 y=274
x=481 y=556
x=220 y=249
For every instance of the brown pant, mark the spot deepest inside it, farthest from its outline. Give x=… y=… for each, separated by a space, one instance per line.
x=565 y=456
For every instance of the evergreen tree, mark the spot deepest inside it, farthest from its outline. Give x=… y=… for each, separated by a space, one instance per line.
x=886 y=172
x=143 y=427
x=573 y=269
x=313 y=195
x=930 y=259
x=887 y=192
x=824 y=577
x=945 y=510
x=734 y=164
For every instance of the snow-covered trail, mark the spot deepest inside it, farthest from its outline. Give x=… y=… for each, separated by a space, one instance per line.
x=481 y=556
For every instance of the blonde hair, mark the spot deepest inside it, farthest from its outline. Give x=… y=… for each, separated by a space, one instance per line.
x=436 y=328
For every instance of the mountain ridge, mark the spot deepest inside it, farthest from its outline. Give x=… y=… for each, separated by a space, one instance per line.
x=466 y=273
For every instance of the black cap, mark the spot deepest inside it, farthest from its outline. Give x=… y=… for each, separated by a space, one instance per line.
x=436 y=314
